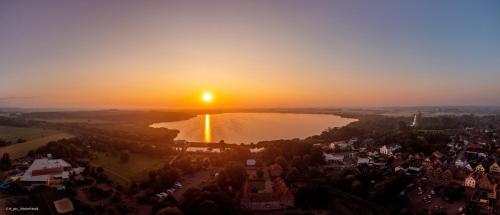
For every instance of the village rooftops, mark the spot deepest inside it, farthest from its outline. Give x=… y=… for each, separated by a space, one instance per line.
x=41 y=169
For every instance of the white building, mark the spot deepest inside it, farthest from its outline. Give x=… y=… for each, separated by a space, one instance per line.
x=42 y=171
x=388 y=150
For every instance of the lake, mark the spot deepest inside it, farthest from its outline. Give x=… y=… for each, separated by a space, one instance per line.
x=252 y=127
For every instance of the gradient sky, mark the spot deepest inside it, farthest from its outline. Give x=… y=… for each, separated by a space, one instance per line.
x=257 y=53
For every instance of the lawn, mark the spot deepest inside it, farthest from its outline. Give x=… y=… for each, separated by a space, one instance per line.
x=11 y=134
x=21 y=149
x=136 y=169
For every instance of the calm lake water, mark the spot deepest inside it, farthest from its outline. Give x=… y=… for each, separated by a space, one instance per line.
x=252 y=127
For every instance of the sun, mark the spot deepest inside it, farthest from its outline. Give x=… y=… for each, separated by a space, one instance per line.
x=207 y=97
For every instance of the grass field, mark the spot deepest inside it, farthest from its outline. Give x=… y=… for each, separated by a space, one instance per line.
x=89 y=121
x=21 y=149
x=136 y=169
x=11 y=134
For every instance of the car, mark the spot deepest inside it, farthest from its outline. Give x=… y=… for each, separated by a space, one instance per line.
x=162 y=195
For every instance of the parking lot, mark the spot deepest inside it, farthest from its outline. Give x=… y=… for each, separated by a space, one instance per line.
x=422 y=197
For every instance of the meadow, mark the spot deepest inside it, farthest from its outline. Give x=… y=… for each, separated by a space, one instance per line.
x=12 y=134
x=136 y=169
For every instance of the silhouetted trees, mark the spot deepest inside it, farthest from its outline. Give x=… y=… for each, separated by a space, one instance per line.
x=5 y=162
x=234 y=175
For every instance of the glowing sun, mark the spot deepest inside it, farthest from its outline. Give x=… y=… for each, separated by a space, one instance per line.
x=207 y=97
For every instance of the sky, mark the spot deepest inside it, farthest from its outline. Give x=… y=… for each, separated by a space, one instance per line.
x=249 y=54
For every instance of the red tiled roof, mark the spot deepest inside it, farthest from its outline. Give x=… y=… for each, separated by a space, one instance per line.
x=474 y=146
x=47 y=171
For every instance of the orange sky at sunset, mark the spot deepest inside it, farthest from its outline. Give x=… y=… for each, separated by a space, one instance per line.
x=250 y=54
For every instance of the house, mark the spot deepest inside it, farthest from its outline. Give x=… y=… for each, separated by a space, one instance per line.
x=279 y=199
x=487 y=185
x=415 y=163
x=447 y=176
x=461 y=162
x=438 y=176
x=437 y=155
x=470 y=182
x=333 y=158
x=480 y=169
x=469 y=167
x=340 y=145
x=494 y=168
x=362 y=161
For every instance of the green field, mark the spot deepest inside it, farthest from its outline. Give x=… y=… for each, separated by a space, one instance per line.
x=21 y=149
x=11 y=134
x=136 y=169
x=69 y=120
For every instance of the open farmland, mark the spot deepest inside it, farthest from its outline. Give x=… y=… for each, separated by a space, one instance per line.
x=12 y=134
x=21 y=149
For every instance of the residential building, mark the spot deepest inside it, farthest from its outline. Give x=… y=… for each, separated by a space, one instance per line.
x=470 y=181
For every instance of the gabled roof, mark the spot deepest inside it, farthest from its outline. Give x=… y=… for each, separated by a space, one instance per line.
x=494 y=165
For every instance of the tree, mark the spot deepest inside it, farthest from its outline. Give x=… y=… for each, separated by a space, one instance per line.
x=100 y=170
x=281 y=161
x=152 y=176
x=209 y=207
x=236 y=174
x=191 y=193
x=356 y=186
x=169 y=211
x=260 y=173
x=5 y=162
x=125 y=157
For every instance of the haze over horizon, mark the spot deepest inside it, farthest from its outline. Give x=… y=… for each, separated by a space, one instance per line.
x=256 y=54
